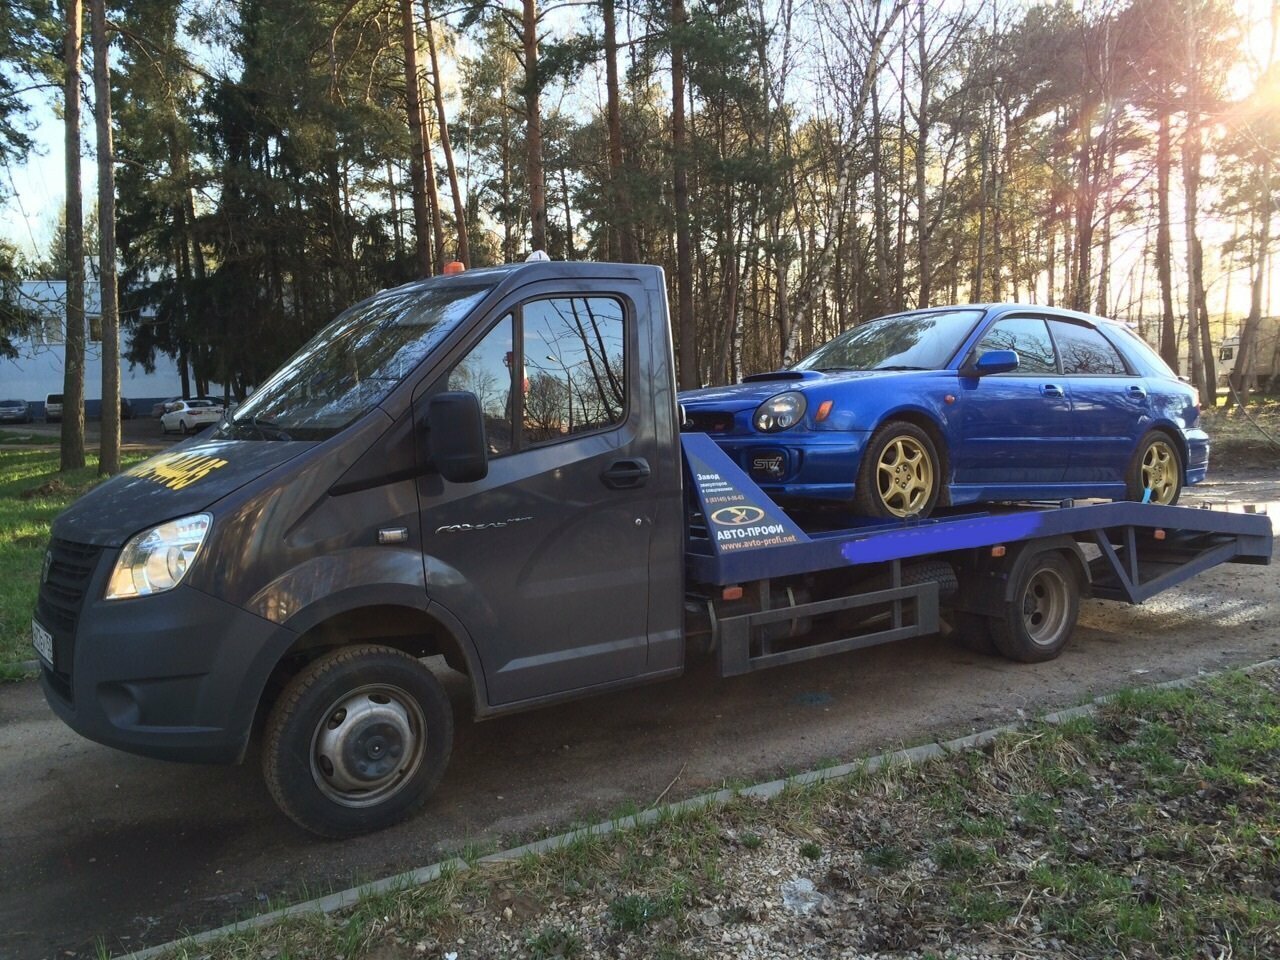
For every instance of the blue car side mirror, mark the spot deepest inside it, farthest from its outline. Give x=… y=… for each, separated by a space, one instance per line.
x=995 y=361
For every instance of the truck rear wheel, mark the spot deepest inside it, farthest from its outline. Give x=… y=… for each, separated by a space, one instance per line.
x=973 y=632
x=357 y=741
x=1041 y=613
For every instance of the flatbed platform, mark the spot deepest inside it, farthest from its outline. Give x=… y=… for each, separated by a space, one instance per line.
x=1122 y=550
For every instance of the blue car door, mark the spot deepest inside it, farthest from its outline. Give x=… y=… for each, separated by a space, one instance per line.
x=1109 y=406
x=1015 y=428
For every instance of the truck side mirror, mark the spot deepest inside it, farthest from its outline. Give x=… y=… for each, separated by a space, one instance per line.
x=994 y=361
x=456 y=439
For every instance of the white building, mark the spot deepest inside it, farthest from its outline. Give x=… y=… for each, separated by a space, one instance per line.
x=38 y=369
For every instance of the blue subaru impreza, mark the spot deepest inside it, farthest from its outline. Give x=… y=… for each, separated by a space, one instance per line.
x=959 y=405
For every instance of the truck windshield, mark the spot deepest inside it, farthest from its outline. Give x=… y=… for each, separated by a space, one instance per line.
x=909 y=341
x=352 y=364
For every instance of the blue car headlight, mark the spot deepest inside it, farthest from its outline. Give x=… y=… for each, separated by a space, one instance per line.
x=780 y=412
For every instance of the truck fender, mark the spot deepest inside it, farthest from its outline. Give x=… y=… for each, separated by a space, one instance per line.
x=396 y=595
x=987 y=583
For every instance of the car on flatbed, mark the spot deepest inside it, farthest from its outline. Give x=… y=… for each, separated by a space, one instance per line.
x=966 y=404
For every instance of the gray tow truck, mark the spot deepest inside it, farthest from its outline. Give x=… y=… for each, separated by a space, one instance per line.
x=489 y=467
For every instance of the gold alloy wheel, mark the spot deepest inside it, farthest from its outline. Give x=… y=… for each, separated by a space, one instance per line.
x=904 y=476
x=1160 y=471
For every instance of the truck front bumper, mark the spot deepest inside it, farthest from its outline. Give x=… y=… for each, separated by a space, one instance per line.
x=177 y=675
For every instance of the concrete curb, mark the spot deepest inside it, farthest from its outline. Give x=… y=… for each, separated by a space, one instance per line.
x=26 y=666
x=765 y=791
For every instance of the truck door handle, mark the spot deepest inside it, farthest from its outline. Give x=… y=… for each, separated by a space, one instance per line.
x=1137 y=392
x=1051 y=390
x=626 y=474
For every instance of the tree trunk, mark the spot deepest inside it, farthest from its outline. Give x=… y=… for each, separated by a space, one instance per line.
x=109 y=450
x=446 y=145
x=1103 y=308
x=433 y=192
x=622 y=230
x=680 y=183
x=533 y=130
x=417 y=145
x=881 y=212
x=72 y=453
x=1164 y=242
x=922 y=147
x=1195 y=319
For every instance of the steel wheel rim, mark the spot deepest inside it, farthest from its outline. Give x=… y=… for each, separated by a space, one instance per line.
x=1045 y=603
x=1159 y=472
x=904 y=476
x=367 y=745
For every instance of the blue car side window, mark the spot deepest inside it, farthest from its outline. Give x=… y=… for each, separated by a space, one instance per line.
x=1085 y=351
x=1026 y=336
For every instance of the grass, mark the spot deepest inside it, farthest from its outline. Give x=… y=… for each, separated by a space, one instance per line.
x=1151 y=829
x=18 y=436
x=32 y=493
x=1235 y=438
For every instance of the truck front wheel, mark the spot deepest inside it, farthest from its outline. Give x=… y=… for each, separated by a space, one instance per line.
x=357 y=741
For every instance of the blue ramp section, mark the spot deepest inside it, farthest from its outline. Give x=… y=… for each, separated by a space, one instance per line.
x=739 y=515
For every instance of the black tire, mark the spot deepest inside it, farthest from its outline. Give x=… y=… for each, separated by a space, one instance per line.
x=383 y=715
x=1156 y=463
x=973 y=632
x=888 y=484
x=182 y=427
x=1038 y=621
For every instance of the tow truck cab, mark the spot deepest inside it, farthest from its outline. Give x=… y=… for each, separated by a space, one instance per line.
x=319 y=517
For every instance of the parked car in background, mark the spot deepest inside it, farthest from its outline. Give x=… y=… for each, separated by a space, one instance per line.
x=158 y=409
x=53 y=408
x=964 y=404
x=184 y=416
x=15 y=411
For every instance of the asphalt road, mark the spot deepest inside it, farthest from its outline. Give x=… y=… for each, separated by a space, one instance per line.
x=100 y=844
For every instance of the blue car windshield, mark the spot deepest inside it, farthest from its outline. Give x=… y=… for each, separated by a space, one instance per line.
x=908 y=341
x=352 y=364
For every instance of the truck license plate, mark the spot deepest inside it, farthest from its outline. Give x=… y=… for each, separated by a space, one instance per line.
x=42 y=640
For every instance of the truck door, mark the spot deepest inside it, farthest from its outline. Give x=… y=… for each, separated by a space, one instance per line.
x=545 y=561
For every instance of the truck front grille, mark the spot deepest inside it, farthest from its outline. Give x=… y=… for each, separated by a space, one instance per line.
x=62 y=595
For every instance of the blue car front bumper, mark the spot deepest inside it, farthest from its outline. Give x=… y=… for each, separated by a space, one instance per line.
x=828 y=462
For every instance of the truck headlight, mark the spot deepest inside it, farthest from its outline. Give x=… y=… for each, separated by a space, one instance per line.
x=156 y=560
x=779 y=413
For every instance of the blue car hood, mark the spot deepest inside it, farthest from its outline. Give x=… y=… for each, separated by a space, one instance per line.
x=756 y=389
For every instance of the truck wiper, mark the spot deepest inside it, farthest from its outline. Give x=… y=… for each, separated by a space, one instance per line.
x=893 y=367
x=262 y=426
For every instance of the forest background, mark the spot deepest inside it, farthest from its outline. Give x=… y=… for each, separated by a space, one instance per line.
x=796 y=166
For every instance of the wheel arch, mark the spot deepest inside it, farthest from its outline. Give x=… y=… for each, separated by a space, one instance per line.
x=926 y=421
x=420 y=629
x=1179 y=441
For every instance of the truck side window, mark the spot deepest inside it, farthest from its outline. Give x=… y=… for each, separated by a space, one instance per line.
x=575 y=369
x=486 y=372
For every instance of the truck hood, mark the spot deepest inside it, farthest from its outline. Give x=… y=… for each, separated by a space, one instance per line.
x=183 y=480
